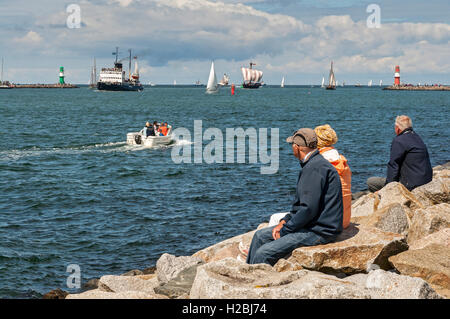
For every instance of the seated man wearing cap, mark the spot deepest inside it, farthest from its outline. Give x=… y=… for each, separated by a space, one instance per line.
x=317 y=212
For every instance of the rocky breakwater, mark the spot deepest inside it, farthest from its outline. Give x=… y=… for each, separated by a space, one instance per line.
x=397 y=246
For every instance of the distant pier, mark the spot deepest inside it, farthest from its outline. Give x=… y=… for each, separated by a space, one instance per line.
x=43 y=86
x=418 y=88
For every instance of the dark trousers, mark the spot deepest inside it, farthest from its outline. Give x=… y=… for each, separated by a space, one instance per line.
x=265 y=250
x=375 y=183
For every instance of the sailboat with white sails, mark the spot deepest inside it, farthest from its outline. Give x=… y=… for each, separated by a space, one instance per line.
x=323 y=82
x=93 y=81
x=370 y=83
x=212 y=86
x=282 y=82
x=4 y=85
x=331 y=79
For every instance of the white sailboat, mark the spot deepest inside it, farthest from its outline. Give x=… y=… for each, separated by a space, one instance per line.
x=174 y=82
x=323 y=82
x=282 y=82
x=381 y=82
x=370 y=83
x=93 y=81
x=212 y=86
x=4 y=85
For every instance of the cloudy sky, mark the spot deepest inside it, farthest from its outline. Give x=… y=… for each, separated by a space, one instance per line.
x=178 y=39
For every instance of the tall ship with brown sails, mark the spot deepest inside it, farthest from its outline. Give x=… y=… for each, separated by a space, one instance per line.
x=252 y=77
x=331 y=79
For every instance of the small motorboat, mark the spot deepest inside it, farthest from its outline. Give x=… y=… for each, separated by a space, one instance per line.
x=136 y=138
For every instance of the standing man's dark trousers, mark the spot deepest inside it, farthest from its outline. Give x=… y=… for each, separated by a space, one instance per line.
x=265 y=250
x=375 y=183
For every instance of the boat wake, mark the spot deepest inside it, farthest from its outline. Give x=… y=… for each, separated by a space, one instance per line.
x=111 y=147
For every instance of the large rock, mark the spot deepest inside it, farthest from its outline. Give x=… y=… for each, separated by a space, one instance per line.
x=100 y=294
x=355 y=250
x=441 y=237
x=392 y=193
x=143 y=283
x=397 y=193
x=392 y=218
x=435 y=192
x=364 y=206
x=56 y=294
x=431 y=263
x=387 y=285
x=231 y=279
x=180 y=285
x=227 y=248
x=168 y=266
x=429 y=220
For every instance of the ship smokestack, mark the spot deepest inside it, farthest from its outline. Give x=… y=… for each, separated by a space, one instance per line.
x=397 y=76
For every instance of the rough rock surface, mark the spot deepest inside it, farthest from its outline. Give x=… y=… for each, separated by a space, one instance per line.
x=391 y=193
x=354 y=251
x=100 y=294
x=431 y=263
x=441 y=237
x=435 y=192
x=229 y=278
x=180 y=285
x=144 y=283
x=429 y=220
x=134 y=272
x=168 y=266
x=387 y=285
x=391 y=218
x=56 y=294
x=227 y=248
x=364 y=206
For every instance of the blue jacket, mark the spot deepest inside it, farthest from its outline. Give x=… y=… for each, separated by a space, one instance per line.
x=318 y=203
x=410 y=162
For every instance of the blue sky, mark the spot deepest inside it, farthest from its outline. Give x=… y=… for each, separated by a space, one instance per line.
x=177 y=39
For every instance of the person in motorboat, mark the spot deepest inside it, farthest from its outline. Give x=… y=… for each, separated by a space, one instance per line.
x=163 y=129
x=148 y=130
x=156 y=127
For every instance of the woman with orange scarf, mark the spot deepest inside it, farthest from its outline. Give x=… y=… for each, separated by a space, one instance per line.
x=326 y=137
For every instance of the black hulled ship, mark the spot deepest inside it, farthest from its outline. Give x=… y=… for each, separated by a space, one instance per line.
x=114 y=79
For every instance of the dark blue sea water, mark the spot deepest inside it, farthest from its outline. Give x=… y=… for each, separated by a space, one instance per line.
x=73 y=192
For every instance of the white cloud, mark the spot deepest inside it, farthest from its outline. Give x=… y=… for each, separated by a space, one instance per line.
x=31 y=38
x=168 y=33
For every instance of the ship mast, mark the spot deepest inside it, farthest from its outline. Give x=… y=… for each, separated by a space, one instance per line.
x=129 y=66
x=1 y=79
x=116 y=54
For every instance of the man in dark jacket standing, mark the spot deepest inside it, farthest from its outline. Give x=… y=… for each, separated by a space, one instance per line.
x=317 y=212
x=409 y=163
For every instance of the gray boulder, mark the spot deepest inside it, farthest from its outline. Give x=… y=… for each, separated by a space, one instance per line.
x=388 y=285
x=168 y=266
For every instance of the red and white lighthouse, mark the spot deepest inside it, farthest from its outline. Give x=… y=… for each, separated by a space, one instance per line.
x=397 y=76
